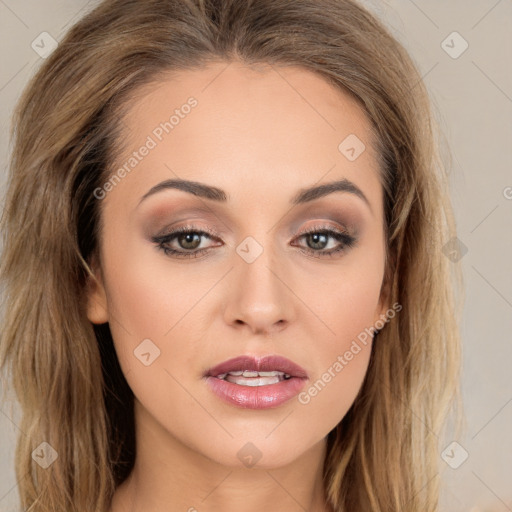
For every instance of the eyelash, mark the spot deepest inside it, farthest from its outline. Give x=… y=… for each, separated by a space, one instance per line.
x=347 y=241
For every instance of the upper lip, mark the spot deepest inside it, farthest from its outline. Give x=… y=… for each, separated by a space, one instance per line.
x=259 y=364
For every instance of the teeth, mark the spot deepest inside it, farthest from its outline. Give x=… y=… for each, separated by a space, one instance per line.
x=248 y=373
x=270 y=374
x=261 y=381
x=254 y=378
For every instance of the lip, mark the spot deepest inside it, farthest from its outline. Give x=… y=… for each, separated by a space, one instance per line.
x=257 y=397
x=258 y=364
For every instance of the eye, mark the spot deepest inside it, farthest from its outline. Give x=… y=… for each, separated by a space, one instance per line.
x=188 y=238
x=318 y=239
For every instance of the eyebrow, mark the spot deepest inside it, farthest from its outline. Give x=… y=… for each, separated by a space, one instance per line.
x=212 y=193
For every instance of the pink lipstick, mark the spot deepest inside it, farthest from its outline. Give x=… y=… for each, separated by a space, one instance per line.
x=256 y=383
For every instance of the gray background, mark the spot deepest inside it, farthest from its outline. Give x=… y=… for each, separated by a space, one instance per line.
x=472 y=97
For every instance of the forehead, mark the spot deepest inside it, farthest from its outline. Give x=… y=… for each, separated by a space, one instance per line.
x=235 y=93
x=245 y=128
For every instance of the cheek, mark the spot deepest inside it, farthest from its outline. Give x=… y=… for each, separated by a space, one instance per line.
x=148 y=294
x=343 y=353
x=341 y=359
x=331 y=393
x=354 y=305
x=345 y=298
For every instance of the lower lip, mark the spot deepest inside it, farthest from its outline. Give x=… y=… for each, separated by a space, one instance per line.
x=257 y=397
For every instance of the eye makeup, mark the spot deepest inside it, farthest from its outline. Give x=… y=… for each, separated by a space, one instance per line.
x=183 y=231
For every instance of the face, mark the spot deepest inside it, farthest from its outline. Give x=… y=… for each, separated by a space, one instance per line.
x=263 y=269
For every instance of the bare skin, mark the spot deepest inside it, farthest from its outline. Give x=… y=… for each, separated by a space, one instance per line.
x=260 y=136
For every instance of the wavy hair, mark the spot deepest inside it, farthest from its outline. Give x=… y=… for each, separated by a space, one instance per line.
x=384 y=454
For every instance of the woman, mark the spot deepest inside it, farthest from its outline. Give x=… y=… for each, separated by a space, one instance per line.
x=225 y=284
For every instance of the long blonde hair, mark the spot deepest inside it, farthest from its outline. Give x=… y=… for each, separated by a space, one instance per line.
x=384 y=454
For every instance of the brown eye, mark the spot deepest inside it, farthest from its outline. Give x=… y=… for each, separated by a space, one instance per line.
x=187 y=238
x=318 y=238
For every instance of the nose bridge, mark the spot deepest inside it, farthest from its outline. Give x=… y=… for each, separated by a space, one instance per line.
x=259 y=296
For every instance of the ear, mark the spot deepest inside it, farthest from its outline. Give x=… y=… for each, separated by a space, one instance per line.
x=97 y=308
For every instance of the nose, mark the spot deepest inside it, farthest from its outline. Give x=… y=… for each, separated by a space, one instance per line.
x=259 y=298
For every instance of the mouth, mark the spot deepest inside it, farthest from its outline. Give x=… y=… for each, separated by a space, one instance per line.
x=252 y=371
x=253 y=378
x=256 y=383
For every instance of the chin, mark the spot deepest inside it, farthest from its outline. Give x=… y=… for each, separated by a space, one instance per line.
x=259 y=451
